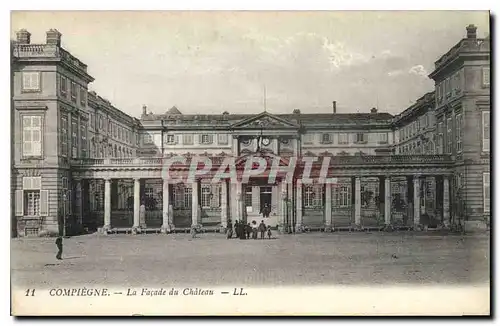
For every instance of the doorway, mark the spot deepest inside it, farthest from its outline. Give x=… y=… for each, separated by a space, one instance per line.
x=265 y=197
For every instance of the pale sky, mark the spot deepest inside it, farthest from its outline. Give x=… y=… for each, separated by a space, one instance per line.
x=210 y=62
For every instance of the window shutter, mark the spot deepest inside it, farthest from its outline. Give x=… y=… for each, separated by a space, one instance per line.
x=176 y=139
x=44 y=203
x=36 y=183
x=486 y=131
x=210 y=139
x=26 y=183
x=200 y=138
x=19 y=203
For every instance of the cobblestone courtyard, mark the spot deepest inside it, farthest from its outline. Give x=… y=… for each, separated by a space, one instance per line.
x=210 y=259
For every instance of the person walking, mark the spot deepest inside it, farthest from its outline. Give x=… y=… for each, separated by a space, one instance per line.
x=229 y=229
x=248 y=230
x=262 y=229
x=237 y=228
x=254 y=230
x=59 y=244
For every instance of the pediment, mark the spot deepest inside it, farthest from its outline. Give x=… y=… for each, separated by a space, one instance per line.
x=264 y=120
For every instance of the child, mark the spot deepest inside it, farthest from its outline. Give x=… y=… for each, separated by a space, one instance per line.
x=269 y=233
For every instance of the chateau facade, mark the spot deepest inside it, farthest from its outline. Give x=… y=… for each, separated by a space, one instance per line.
x=79 y=164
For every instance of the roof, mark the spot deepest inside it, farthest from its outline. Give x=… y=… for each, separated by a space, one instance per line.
x=173 y=110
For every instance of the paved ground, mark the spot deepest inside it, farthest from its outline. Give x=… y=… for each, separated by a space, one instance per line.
x=307 y=259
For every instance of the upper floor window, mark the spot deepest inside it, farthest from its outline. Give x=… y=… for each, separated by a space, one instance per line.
x=147 y=139
x=64 y=85
x=458 y=130
x=171 y=139
x=101 y=122
x=343 y=138
x=360 y=137
x=308 y=138
x=92 y=121
x=449 y=131
x=486 y=130
x=222 y=139
x=447 y=87
x=187 y=139
x=73 y=91
x=32 y=135
x=206 y=139
x=83 y=96
x=486 y=76
x=382 y=138
x=74 y=138
x=326 y=138
x=31 y=81
x=63 y=134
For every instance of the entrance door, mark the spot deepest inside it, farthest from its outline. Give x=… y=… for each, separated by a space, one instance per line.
x=265 y=197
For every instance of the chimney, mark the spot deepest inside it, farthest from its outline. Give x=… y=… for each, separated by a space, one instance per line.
x=23 y=37
x=54 y=37
x=373 y=110
x=144 y=108
x=334 y=107
x=471 y=31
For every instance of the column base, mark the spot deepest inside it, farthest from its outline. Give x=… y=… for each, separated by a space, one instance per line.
x=105 y=229
x=328 y=228
x=282 y=228
x=165 y=229
x=136 y=230
x=299 y=228
x=388 y=228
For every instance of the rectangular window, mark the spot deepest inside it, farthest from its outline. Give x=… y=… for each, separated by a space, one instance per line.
x=326 y=138
x=64 y=86
x=458 y=131
x=343 y=139
x=83 y=137
x=63 y=134
x=308 y=138
x=206 y=196
x=360 y=138
x=147 y=138
x=32 y=202
x=170 y=139
x=73 y=92
x=32 y=135
x=206 y=139
x=222 y=139
x=447 y=87
x=31 y=81
x=101 y=122
x=486 y=192
x=187 y=139
x=440 y=138
x=382 y=138
x=115 y=130
x=486 y=130
x=83 y=96
x=449 y=132
x=188 y=197
x=312 y=196
x=248 y=196
x=92 y=121
x=341 y=195
x=74 y=138
x=486 y=76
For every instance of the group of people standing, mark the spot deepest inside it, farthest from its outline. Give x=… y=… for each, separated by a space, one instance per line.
x=244 y=232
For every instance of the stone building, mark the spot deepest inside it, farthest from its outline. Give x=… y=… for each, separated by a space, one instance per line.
x=80 y=164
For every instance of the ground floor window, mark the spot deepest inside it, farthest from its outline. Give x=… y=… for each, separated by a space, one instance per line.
x=248 y=196
x=32 y=202
x=341 y=195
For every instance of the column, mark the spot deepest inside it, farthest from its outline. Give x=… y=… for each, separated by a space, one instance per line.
x=387 y=203
x=194 y=204
x=235 y=146
x=284 y=204
x=328 y=207
x=416 y=201
x=79 y=203
x=137 y=203
x=357 y=201
x=223 y=205
x=165 y=227
x=107 y=204
x=239 y=199
x=298 y=225
x=446 y=200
